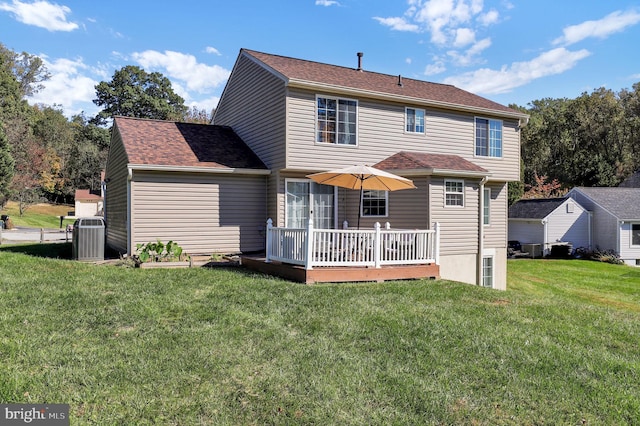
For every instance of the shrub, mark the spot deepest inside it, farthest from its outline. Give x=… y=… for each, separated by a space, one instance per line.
x=160 y=252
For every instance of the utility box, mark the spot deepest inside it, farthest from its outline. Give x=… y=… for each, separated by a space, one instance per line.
x=534 y=250
x=88 y=239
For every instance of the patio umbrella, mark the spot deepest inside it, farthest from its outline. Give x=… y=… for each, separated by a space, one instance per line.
x=361 y=178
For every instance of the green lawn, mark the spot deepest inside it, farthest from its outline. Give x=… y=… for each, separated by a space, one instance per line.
x=38 y=215
x=229 y=347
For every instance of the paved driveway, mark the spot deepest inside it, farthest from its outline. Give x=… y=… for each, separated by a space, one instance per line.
x=26 y=235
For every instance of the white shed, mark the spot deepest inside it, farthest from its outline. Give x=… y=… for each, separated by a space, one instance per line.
x=550 y=221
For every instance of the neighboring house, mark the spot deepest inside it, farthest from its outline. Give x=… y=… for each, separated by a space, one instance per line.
x=549 y=221
x=460 y=150
x=88 y=203
x=616 y=219
x=196 y=184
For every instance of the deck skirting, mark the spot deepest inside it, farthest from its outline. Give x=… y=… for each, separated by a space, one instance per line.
x=341 y=274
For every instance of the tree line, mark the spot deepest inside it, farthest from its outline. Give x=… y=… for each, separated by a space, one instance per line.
x=593 y=140
x=47 y=156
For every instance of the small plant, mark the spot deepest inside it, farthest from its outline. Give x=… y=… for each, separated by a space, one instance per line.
x=160 y=252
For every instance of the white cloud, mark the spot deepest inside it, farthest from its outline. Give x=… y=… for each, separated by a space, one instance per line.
x=69 y=86
x=435 y=68
x=489 y=18
x=602 y=28
x=397 y=24
x=326 y=3
x=184 y=68
x=212 y=50
x=464 y=37
x=488 y=81
x=43 y=14
x=470 y=55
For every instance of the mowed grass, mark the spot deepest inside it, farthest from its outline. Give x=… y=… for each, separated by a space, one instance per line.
x=38 y=215
x=229 y=347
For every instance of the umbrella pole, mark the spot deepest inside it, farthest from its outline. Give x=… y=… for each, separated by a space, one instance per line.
x=359 y=207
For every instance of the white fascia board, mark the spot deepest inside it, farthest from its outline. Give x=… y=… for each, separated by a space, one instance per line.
x=190 y=169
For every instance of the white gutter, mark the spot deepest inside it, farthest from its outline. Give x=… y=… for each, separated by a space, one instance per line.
x=481 y=229
x=214 y=170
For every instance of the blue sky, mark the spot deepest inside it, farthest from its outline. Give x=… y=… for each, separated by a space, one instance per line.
x=510 y=51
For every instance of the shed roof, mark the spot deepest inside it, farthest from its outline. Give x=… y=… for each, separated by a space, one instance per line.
x=373 y=83
x=169 y=143
x=434 y=163
x=87 y=195
x=536 y=208
x=623 y=203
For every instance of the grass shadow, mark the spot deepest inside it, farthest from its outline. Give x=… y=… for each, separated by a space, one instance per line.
x=47 y=250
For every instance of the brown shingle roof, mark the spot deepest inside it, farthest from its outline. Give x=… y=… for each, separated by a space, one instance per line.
x=168 y=143
x=86 y=195
x=372 y=82
x=405 y=160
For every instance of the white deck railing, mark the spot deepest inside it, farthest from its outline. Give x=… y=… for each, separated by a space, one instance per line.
x=376 y=247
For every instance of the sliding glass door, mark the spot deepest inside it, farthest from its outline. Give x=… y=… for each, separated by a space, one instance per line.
x=306 y=199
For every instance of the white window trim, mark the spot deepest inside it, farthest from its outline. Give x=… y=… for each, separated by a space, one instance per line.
x=489 y=254
x=336 y=98
x=487 y=200
x=444 y=191
x=424 y=124
x=386 y=210
x=475 y=121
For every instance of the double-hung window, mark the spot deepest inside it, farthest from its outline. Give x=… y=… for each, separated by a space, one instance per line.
x=374 y=203
x=414 y=120
x=336 y=121
x=488 y=138
x=454 y=193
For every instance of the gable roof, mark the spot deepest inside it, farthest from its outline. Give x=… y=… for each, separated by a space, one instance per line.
x=623 y=203
x=420 y=162
x=536 y=208
x=177 y=145
x=309 y=74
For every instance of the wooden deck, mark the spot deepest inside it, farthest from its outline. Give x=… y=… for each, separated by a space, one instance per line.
x=341 y=274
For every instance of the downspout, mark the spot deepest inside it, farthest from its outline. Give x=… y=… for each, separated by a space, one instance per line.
x=129 y=210
x=480 y=229
x=545 y=236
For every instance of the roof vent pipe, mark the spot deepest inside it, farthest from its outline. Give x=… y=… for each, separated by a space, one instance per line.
x=360 y=55
x=400 y=80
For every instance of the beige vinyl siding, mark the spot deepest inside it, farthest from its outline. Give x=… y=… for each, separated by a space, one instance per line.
x=253 y=104
x=495 y=234
x=204 y=214
x=458 y=225
x=116 y=209
x=381 y=134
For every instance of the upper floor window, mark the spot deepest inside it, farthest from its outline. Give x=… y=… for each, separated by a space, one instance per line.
x=454 y=193
x=414 y=120
x=336 y=121
x=374 y=202
x=488 y=137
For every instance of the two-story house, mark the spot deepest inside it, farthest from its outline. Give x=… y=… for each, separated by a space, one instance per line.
x=301 y=117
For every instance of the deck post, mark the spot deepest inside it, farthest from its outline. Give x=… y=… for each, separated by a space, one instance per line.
x=269 y=238
x=309 y=243
x=436 y=238
x=377 y=247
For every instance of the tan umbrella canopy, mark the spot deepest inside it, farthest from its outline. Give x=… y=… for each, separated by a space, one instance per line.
x=360 y=178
